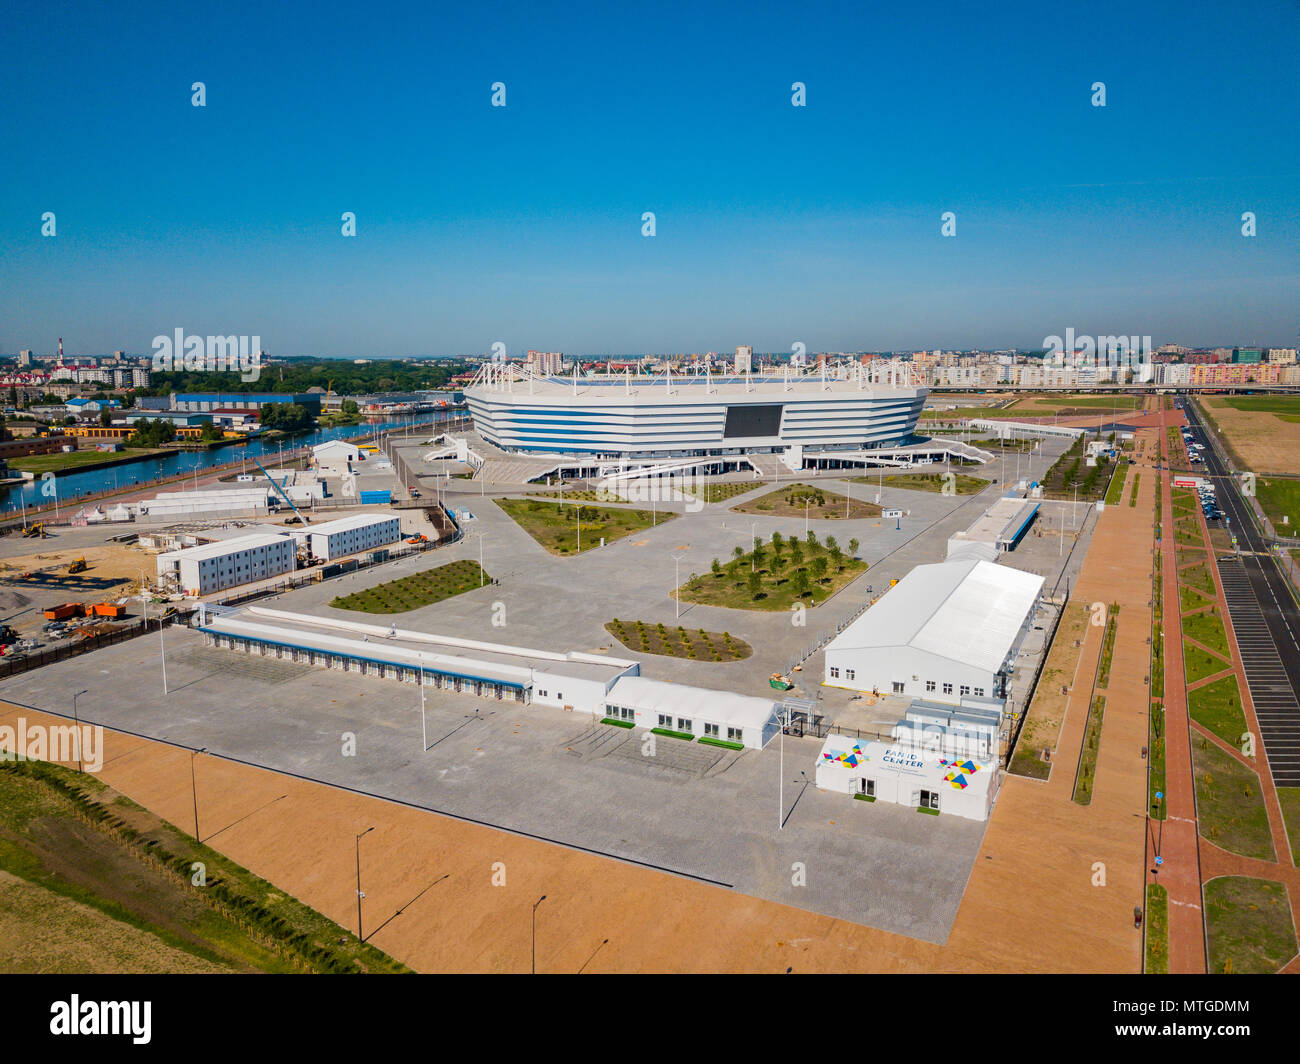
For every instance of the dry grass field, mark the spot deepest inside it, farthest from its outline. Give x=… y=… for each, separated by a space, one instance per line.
x=1264 y=440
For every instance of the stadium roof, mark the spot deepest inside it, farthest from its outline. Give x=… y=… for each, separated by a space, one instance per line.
x=968 y=611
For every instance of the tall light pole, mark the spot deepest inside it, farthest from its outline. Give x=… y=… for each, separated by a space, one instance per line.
x=359 y=894
x=77 y=723
x=162 y=647
x=805 y=517
x=534 y=932
x=780 y=812
x=424 y=730
x=677 y=585
x=481 y=537
x=753 y=535
x=194 y=791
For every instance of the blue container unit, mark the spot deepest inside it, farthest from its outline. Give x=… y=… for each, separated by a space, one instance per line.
x=385 y=497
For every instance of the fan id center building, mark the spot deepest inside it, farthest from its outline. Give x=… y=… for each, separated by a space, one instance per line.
x=938 y=759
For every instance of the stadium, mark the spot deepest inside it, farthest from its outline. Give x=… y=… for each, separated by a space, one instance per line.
x=723 y=421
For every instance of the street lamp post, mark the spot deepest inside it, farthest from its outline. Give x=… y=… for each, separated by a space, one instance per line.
x=534 y=932
x=753 y=535
x=677 y=586
x=359 y=894
x=77 y=722
x=194 y=791
x=424 y=729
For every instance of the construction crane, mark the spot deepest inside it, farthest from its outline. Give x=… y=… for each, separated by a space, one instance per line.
x=280 y=493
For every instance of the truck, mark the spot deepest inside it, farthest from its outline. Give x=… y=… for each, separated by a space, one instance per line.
x=64 y=610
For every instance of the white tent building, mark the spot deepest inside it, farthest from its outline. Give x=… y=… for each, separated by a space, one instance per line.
x=946 y=633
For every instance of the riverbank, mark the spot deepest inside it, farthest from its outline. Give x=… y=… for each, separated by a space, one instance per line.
x=61 y=463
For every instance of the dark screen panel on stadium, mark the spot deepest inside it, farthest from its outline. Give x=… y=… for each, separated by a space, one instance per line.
x=753 y=420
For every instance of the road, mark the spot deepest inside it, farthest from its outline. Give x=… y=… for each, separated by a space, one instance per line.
x=1265 y=618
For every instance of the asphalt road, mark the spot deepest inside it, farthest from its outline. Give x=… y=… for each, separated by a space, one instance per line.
x=1264 y=615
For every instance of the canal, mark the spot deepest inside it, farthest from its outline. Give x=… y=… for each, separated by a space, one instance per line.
x=140 y=471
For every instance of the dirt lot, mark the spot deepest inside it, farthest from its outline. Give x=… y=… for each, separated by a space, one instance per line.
x=1265 y=442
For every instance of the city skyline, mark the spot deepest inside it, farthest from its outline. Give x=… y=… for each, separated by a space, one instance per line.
x=774 y=224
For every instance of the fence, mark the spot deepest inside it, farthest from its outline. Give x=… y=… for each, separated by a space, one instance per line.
x=36 y=659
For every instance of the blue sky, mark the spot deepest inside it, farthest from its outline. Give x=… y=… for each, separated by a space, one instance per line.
x=522 y=224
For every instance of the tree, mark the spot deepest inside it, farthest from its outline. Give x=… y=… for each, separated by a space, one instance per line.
x=818 y=566
x=853 y=547
x=801 y=586
x=736 y=554
x=755 y=585
x=106 y=417
x=350 y=407
x=716 y=567
x=832 y=545
x=778 y=563
x=209 y=432
x=777 y=542
x=812 y=538
x=796 y=551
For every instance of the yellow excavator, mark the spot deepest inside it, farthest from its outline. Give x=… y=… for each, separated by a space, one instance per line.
x=32 y=531
x=79 y=566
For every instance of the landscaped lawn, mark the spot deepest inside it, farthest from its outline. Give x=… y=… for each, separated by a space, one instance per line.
x=418 y=589
x=1157 y=930
x=720 y=492
x=962 y=483
x=1197 y=576
x=1198 y=663
x=788 y=501
x=1084 y=780
x=1116 y=490
x=1280 y=498
x=1249 y=925
x=1289 y=799
x=1190 y=599
x=559 y=528
x=777 y=575
x=1229 y=803
x=1207 y=629
x=580 y=495
x=679 y=642
x=1217 y=706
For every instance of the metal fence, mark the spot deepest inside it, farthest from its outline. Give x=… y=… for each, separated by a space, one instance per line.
x=36 y=659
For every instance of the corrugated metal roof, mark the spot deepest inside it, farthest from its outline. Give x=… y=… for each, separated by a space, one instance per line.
x=969 y=611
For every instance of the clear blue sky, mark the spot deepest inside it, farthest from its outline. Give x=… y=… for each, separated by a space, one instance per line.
x=775 y=224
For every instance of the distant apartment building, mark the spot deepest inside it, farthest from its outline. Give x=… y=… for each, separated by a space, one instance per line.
x=24 y=359
x=1040 y=376
x=970 y=375
x=1247 y=355
x=545 y=363
x=1281 y=356
x=1234 y=373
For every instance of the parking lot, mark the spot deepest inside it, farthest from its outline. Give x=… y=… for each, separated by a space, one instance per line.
x=705 y=813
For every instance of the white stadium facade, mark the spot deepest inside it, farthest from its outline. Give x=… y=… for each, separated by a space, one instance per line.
x=624 y=417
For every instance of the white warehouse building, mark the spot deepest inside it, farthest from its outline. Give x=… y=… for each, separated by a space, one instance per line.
x=351 y=535
x=228 y=563
x=946 y=633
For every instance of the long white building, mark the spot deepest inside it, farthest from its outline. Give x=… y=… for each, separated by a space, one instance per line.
x=670 y=415
x=351 y=535
x=227 y=563
x=947 y=633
